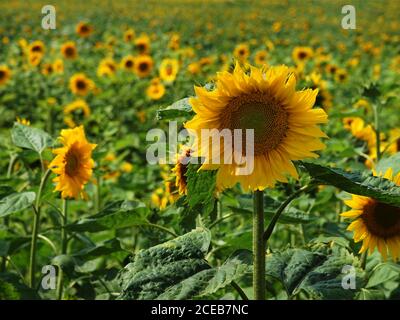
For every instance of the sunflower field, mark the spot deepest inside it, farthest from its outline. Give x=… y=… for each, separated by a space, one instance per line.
x=110 y=191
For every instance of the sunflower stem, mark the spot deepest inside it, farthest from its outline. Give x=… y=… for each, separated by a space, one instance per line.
x=364 y=260
x=258 y=247
x=64 y=242
x=35 y=230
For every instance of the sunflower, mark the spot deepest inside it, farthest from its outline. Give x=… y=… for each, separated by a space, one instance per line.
x=169 y=69
x=142 y=44
x=359 y=130
x=302 y=54
x=174 y=42
x=84 y=29
x=143 y=65
x=341 y=75
x=69 y=50
x=47 y=69
x=331 y=69
x=180 y=170
x=37 y=47
x=73 y=163
x=156 y=90
x=241 y=52
x=107 y=67
x=394 y=141
x=80 y=84
x=73 y=106
x=58 y=66
x=5 y=74
x=260 y=58
x=376 y=224
x=194 y=68
x=34 y=59
x=129 y=35
x=285 y=125
x=23 y=121
x=128 y=63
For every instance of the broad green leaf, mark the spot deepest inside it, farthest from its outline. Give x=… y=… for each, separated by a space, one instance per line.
x=30 y=138
x=382 y=273
x=181 y=108
x=356 y=183
x=117 y=215
x=73 y=265
x=370 y=294
x=207 y=282
x=16 y=202
x=156 y=269
x=317 y=273
x=106 y=248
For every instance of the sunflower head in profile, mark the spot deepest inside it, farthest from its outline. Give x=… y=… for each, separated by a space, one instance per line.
x=34 y=59
x=84 y=29
x=283 y=120
x=143 y=66
x=302 y=54
x=5 y=75
x=128 y=63
x=180 y=170
x=73 y=163
x=376 y=224
x=107 y=67
x=169 y=69
x=80 y=84
x=156 y=90
x=69 y=51
x=129 y=35
x=241 y=52
x=142 y=44
x=37 y=47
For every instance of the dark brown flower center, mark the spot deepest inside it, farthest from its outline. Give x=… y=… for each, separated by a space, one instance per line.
x=72 y=163
x=81 y=85
x=69 y=51
x=302 y=55
x=36 y=48
x=260 y=112
x=382 y=220
x=143 y=66
x=2 y=74
x=129 y=64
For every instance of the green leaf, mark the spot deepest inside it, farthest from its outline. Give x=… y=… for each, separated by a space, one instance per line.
x=368 y=294
x=156 y=269
x=209 y=281
x=201 y=187
x=106 y=248
x=119 y=214
x=364 y=184
x=30 y=138
x=382 y=273
x=12 y=288
x=391 y=162
x=16 y=202
x=181 y=108
x=317 y=273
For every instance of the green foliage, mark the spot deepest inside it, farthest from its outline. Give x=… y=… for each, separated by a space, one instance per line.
x=16 y=202
x=180 y=108
x=30 y=138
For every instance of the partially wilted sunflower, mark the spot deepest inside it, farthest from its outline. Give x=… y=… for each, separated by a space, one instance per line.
x=5 y=75
x=180 y=170
x=37 y=47
x=69 y=50
x=128 y=63
x=241 y=52
x=80 y=84
x=284 y=122
x=84 y=29
x=376 y=224
x=143 y=65
x=169 y=69
x=142 y=44
x=302 y=54
x=73 y=163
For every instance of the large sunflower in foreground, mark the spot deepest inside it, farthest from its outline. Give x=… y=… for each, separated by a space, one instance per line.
x=73 y=163
x=376 y=224
x=284 y=122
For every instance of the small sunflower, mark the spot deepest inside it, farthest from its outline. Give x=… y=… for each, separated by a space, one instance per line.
x=69 y=109
x=37 y=47
x=58 y=66
x=376 y=224
x=143 y=66
x=84 y=29
x=241 y=52
x=47 y=69
x=142 y=44
x=180 y=170
x=69 y=50
x=34 y=59
x=302 y=54
x=341 y=75
x=156 y=90
x=5 y=75
x=128 y=63
x=260 y=58
x=284 y=122
x=129 y=35
x=107 y=67
x=80 y=84
x=394 y=141
x=169 y=69
x=174 y=42
x=73 y=163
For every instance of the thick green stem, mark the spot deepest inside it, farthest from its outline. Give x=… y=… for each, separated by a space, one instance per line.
x=64 y=242
x=377 y=132
x=364 y=260
x=282 y=207
x=258 y=247
x=35 y=230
